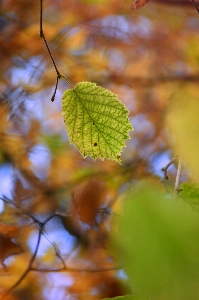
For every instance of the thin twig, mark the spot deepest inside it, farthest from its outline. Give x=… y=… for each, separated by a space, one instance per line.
x=9 y=291
x=177 y=182
x=56 y=85
x=68 y=269
x=42 y=35
x=41 y=226
x=59 y=76
x=165 y=169
x=195 y=5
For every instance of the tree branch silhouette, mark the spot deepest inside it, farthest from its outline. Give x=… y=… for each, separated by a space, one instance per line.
x=41 y=231
x=42 y=35
x=9 y=291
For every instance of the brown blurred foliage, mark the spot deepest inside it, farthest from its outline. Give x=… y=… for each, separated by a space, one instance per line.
x=56 y=207
x=8 y=247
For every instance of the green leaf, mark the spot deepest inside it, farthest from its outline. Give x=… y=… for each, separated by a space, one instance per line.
x=158 y=245
x=55 y=143
x=190 y=193
x=96 y=121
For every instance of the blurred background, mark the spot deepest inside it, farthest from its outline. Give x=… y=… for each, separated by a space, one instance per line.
x=145 y=56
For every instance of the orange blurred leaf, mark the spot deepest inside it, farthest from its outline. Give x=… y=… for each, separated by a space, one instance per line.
x=87 y=200
x=7 y=246
x=21 y=193
x=138 y=3
x=10 y=231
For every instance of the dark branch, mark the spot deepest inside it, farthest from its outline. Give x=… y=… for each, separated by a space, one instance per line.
x=43 y=37
x=77 y=269
x=175 y=2
x=9 y=291
x=53 y=96
x=195 y=5
x=41 y=232
x=30 y=267
x=48 y=49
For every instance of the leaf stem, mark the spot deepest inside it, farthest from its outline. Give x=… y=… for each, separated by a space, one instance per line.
x=68 y=82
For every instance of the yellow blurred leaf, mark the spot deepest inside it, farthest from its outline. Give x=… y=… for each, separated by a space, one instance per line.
x=183 y=122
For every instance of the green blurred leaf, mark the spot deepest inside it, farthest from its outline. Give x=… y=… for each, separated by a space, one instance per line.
x=183 y=122
x=190 y=193
x=96 y=121
x=55 y=143
x=158 y=244
x=191 y=50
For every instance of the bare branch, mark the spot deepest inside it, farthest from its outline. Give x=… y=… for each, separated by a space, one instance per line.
x=195 y=5
x=56 y=85
x=41 y=232
x=42 y=35
x=177 y=183
x=165 y=169
x=67 y=269
x=30 y=267
x=9 y=291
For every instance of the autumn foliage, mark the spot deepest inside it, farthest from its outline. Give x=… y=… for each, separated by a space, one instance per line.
x=57 y=208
